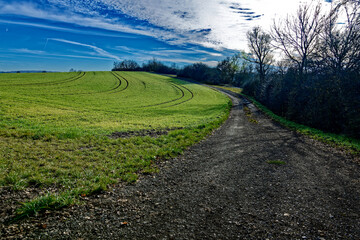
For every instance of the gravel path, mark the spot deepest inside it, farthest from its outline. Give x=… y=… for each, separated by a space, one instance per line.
x=224 y=188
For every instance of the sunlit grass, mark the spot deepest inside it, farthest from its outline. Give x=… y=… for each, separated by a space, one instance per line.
x=88 y=106
x=232 y=89
x=55 y=132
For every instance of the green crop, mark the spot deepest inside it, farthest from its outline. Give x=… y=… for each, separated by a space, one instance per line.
x=59 y=130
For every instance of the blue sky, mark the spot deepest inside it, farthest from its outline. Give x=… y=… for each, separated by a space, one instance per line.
x=57 y=35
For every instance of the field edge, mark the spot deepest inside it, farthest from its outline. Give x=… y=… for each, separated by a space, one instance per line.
x=167 y=146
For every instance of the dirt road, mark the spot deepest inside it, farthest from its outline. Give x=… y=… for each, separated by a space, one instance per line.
x=232 y=185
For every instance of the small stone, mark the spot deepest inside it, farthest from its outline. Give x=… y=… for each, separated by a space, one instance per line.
x=43 y=226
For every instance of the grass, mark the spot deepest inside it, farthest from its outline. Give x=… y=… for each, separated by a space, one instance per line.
x=95 y=104
x=350 y=144
x=276 y=162
x=249 y=115
x=42 y=203
x=232 y=89
x=55 y=127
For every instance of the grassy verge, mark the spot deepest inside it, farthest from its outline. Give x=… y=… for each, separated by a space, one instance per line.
x=232 y=89
x=350 y=144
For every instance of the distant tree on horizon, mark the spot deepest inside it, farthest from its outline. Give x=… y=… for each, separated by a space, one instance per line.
x=126 y=65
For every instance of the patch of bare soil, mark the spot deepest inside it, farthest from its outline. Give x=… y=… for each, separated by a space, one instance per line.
x=223 y=188
x=147 y=132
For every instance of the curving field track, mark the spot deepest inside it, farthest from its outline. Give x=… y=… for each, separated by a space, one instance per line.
x=103 y=102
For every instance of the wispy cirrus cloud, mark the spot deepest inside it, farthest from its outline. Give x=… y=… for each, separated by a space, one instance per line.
x=29 y=51
x=68 y=30
x=99 y=51
x=212 y=23
x=44 y=54
x=216 y=24
x=167 y=52
x=33 y=10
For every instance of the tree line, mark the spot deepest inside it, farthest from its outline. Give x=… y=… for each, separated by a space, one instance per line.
x=151 y=66
x=317 y=80
x=306 y=68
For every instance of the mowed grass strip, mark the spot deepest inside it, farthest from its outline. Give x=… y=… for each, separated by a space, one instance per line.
x=53 y=138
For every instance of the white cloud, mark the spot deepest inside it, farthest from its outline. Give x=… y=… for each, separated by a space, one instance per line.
x=214 y=54
x=64 y=29
x=29 y=51
x=165 y=55
x=43 y=54
x=31 y=10
x=214 y=24
x=99 y=51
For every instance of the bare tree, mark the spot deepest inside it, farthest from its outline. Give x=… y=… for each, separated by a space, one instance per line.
x=298 y=36
x=341 y=48
x=260 y=49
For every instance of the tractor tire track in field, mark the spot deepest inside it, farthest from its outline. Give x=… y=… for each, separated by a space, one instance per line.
x=174 y=85
x=141 y=81
x=71 y=79
x=170 y=101
x=177 y=86
x=225 y=188
x=192 y=96
x=119 y=78
x=104 y=91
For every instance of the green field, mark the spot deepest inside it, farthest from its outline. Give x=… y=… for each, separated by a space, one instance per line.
x=58 y=131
